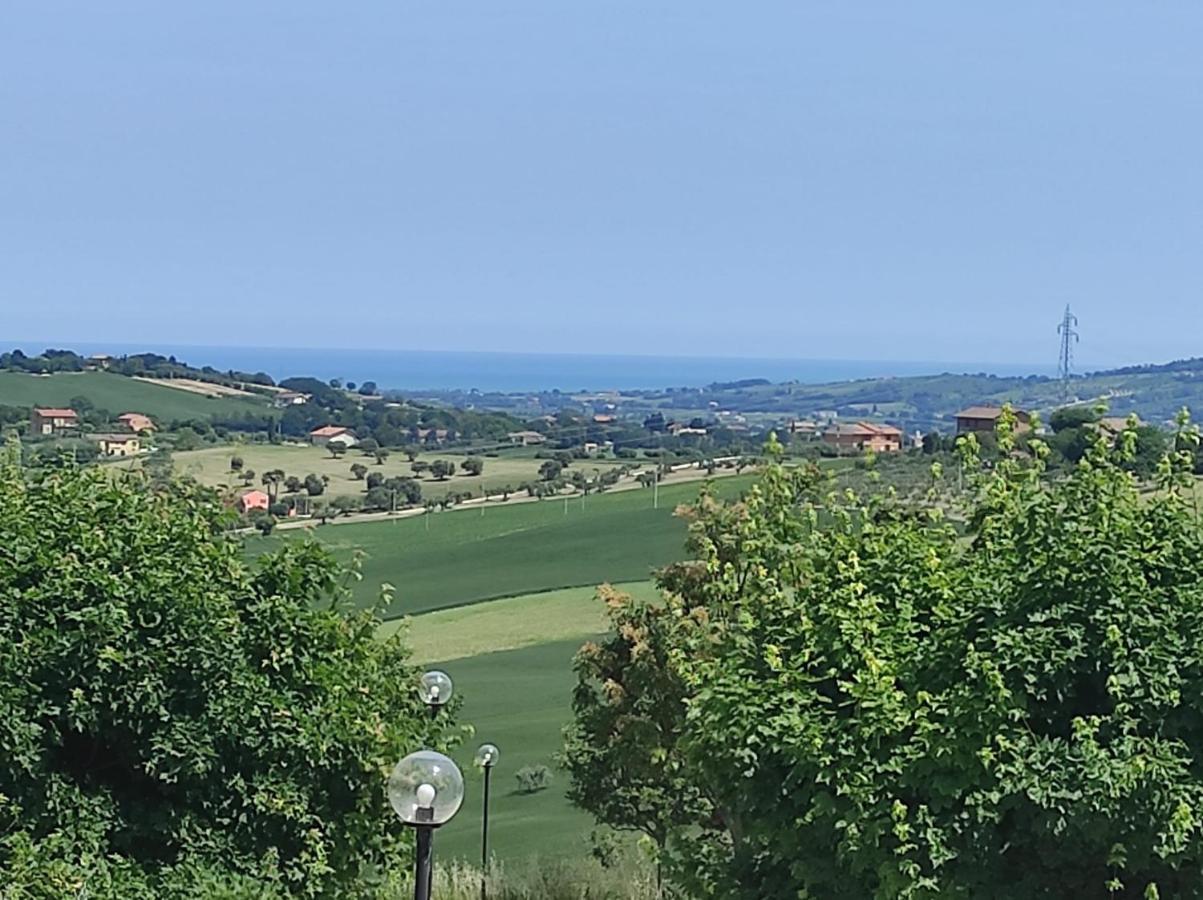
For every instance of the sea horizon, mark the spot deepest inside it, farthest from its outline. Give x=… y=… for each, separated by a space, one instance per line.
x=510 y=372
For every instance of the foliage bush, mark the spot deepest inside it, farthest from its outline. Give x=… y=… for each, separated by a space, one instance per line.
x=874 y=704
x=532 y=779
x=173 y=718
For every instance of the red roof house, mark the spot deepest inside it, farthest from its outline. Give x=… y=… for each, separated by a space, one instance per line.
x=253 y=500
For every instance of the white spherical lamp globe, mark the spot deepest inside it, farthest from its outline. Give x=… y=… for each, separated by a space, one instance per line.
x=487 y=756
x=426 y=788
x=436 y=688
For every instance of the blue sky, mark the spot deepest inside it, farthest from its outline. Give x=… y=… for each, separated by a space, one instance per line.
x=852 y=180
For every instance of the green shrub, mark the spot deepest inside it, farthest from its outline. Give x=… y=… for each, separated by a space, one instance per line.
x=532 y=779
x=875 y=705
x=170 y=714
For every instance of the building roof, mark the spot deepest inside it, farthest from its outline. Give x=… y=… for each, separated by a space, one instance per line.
x=113 y=438
x=865 y=429
x=52 y=413
x=329 y=431
x=1117 y=423
x=990 y=413
x=253 y=497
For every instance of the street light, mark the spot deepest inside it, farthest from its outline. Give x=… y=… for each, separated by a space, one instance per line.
x=426 y=790
x=486 y=757
x=436 y=690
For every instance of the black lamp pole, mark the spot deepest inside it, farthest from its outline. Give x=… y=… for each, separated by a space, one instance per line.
x=484 y=840
x=423 y=867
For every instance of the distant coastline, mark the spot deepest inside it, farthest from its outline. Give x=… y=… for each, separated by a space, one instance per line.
x=419 y=370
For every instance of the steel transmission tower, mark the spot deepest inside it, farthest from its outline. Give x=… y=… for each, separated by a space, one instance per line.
x=1069 y=336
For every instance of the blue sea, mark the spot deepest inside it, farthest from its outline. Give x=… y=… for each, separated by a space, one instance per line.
x=418 y=370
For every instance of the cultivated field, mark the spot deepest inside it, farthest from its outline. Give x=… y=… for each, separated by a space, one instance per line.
x=511 y=658
x=211 y=466
x=119 y=394
x=460 y=557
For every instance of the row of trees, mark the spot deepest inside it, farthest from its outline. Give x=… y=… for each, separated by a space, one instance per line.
x=846 y=697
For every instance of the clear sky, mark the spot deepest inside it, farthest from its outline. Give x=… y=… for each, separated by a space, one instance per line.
x=856 y=180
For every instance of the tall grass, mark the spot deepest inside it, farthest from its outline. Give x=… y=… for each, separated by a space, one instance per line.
x=632 y=879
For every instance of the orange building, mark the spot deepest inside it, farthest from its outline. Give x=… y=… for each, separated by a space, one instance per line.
x=864 y=436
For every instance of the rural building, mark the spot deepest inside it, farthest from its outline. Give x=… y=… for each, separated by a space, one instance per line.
x=253 y=500
x=1116 y=424
x=332 y=434
x=984 y=420
x=804 y=428
x=117 y=444
x=425 y=434
x=603 y=419
x=289 y=398
x=864 y=436
x=136 y=422
x=47 y=421
x=526 y=438
x=676 y=429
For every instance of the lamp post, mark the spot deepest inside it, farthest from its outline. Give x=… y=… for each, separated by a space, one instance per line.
x=425 y=790
x=436 y=690
x=486 y=757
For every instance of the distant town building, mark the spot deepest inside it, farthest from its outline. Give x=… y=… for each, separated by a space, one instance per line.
x=864 y=436
x=676 y=429
x=289 y=398
x=253 y=500
x=526 y=438
x=804 y=427
x=1117 y=424
x=49 y=421
x=332 y=434
x=984 y=420
x=117 y=444
x=604 y=418
x=136 y=422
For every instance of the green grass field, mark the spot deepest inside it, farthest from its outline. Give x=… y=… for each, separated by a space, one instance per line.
x=518 y=700
x=119 y=394
x=462 y=557
x=510 y=623
x=511 y=658
x=211 y=466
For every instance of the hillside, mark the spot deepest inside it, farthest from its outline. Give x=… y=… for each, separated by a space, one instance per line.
x=118 y=394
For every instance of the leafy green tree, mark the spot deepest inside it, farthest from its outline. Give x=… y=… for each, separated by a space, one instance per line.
x=293 y=484
x=550 y=469
x=381 y=455
x=314 y=486
x=358 y=471
x=442 y=469
x=187 y=438
x=210 y=727
x=877 y=707
x=236 y=463
x=473 y=465
x=272 y=481
x=622 y=751
x=419 y=467
x=1069 y=417
x=345 y=505
x=375 y=480
x=368 y=446
x=407 y=490
x=337 y=449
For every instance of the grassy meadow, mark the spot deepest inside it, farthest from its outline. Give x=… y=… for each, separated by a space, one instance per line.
x=502 y=601
x=119 y=394
x=465 y=556
x=211 y=466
